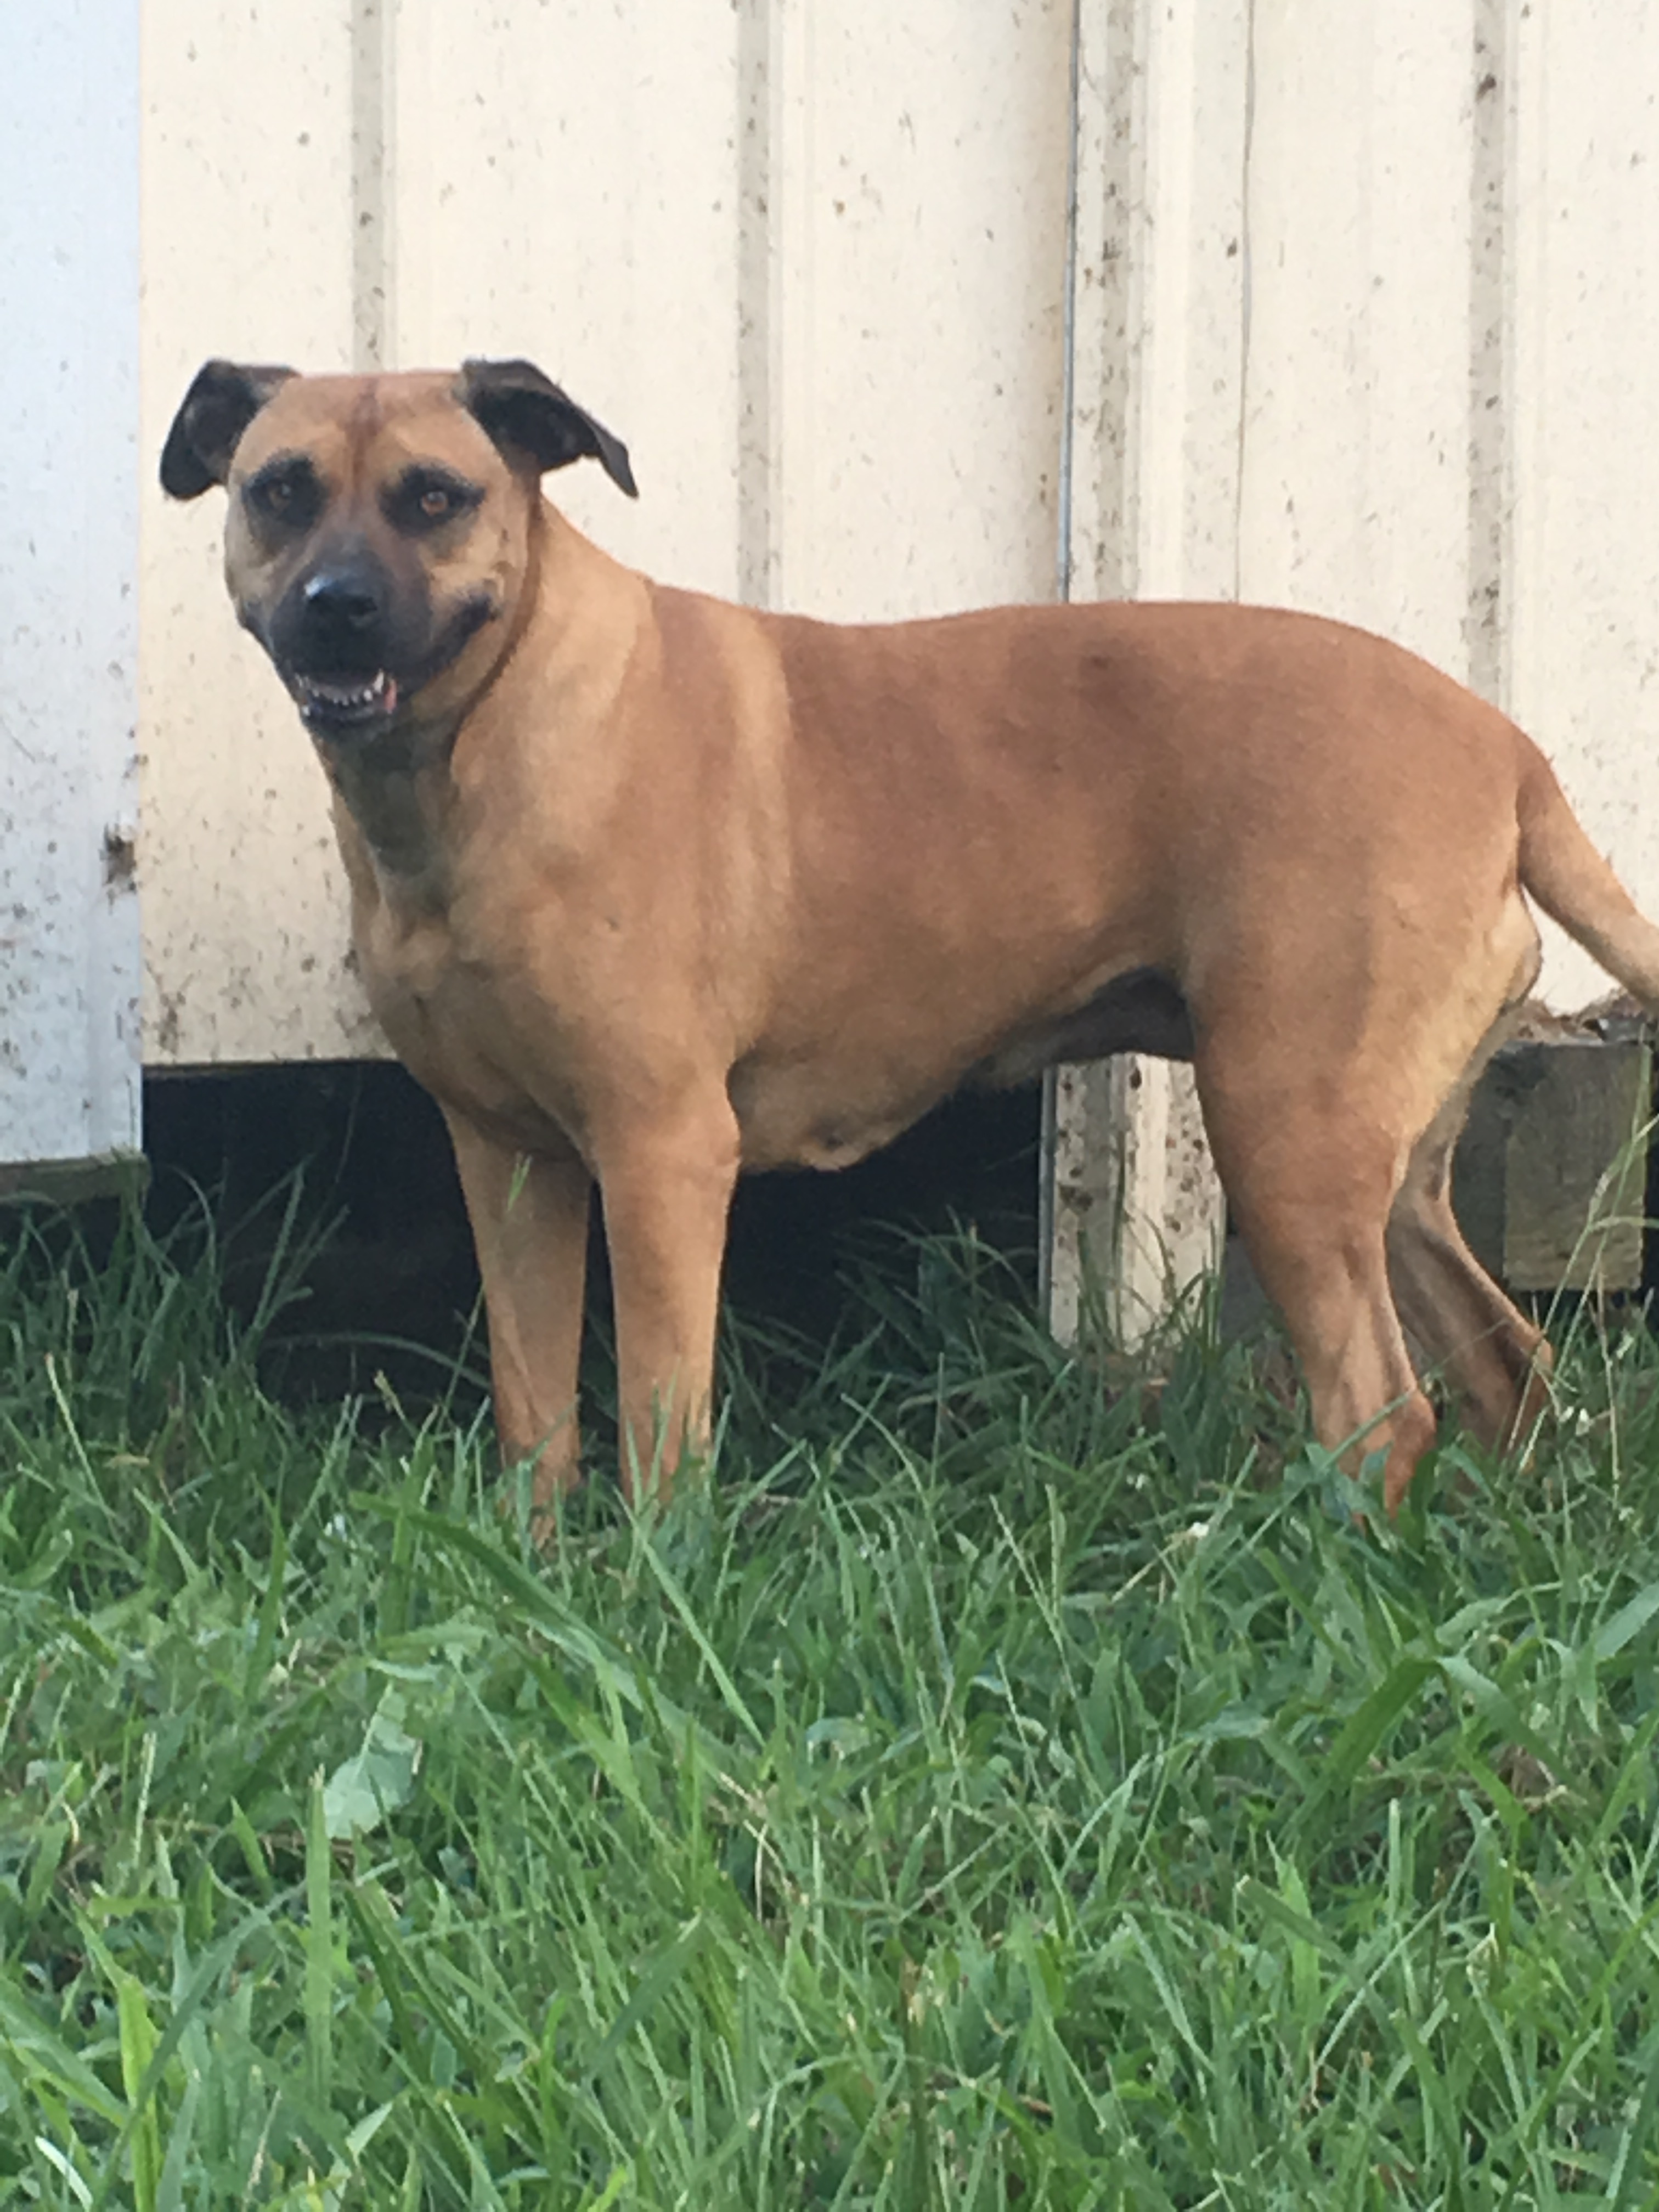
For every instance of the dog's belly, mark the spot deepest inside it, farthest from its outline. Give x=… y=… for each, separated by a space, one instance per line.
x=832 y=1079
x=828 y=1109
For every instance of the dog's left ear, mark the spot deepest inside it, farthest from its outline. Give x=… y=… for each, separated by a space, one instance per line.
x=223 y=399
x=519 y=406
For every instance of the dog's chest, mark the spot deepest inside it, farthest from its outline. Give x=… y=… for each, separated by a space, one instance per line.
x=454 y=1014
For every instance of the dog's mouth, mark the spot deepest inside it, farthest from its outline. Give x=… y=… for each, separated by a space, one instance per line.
x=361 y=702
x=342 y=703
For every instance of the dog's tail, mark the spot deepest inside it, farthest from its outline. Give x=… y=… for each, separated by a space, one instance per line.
x=1575 y=886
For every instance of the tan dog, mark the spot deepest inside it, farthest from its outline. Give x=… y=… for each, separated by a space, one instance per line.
x=649 y=888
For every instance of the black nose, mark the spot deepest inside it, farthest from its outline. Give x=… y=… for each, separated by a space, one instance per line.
x=343 y=611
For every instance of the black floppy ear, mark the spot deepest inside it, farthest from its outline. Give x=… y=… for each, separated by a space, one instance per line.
x=222 y=400
x=519 y=406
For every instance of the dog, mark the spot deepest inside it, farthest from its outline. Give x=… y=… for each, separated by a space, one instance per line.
x=649 y=888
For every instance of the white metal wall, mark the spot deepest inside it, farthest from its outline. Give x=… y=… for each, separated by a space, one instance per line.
x=1577 y=574
x=69 y=462
x=1365 y=311
x=808 y=262
x=1367 y=318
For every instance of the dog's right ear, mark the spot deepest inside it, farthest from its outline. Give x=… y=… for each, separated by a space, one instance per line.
x=223 y=399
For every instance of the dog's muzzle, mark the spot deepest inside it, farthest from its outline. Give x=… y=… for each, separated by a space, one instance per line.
x=347 y=658
x=336 y=669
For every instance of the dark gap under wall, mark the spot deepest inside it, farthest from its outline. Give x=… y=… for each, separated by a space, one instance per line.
x=391 y=1285
x=395 y=1272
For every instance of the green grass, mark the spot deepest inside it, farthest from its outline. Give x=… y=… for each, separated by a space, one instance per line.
x=994 y=1790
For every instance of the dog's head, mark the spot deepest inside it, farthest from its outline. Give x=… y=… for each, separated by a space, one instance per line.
x=380 y=526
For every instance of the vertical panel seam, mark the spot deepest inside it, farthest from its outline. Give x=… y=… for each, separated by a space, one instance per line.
x=758 y=182
x=1490 y=335
x=1050 y=1123
x=371 y=195
x=1244 y=297
x=1068 y=316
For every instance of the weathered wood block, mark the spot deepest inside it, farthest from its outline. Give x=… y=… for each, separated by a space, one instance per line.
x=1550 y=1178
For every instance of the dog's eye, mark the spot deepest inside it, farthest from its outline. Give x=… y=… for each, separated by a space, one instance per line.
x=288 y=496
x=426 y=500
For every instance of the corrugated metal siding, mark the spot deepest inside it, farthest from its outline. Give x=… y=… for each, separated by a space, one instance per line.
x=1366 y=327
x=1364 y=307
x=69 y=641
x=809 y=263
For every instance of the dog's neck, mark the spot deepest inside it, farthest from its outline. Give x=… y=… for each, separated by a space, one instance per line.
x=411 y=795
x=395 y=789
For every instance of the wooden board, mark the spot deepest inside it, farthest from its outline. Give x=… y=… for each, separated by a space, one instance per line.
x=1551 y=1173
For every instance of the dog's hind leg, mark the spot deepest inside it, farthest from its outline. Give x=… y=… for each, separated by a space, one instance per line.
x=1496 y=1361
x=1311 y=1183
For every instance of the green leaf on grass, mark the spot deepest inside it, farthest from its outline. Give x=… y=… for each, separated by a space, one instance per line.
x=376 y=1780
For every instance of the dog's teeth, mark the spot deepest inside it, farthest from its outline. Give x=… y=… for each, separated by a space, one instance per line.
x=378 y=690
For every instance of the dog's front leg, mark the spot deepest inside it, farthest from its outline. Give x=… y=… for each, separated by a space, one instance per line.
x=529 y=1215
x=666 y=1185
